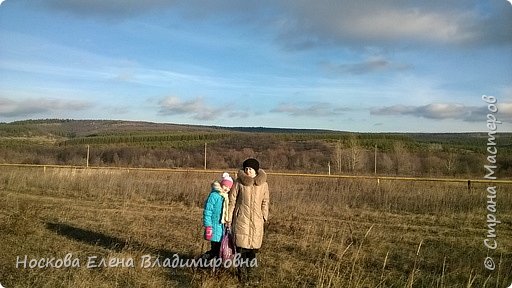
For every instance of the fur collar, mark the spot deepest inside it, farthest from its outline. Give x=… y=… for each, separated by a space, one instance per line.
x=216 y=186
x=261 y=178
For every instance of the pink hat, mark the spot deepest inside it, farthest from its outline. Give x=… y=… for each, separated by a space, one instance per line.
x=226 y=180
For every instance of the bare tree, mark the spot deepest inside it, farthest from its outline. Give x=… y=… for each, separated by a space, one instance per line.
x=402 y=158
x=451 y=162
x=338 y=156
x=385 y=163
x=356 y=154
x=431 y=158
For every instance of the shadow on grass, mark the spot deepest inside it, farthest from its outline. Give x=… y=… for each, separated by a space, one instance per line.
x=183 y=276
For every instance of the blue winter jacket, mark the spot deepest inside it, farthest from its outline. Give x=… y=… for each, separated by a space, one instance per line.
x=212 y=212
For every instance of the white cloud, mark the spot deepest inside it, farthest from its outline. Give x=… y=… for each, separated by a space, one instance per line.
x=305 y=24
x=314 y=109
x=440 y=111
x=505 y=110
x=110 y=8
x=444 y=111
x=38 y=106
x=78 y=64
x=394 y=22
x=196 y=108
x=370 y=65
x=430 y=111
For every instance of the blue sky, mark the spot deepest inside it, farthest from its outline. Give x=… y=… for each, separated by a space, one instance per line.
x=362 y=66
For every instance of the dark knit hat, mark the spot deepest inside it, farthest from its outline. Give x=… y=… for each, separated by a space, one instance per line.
x=253 y=163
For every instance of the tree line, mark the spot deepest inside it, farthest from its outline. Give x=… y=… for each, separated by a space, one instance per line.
x=346 y=155
x=141 y=144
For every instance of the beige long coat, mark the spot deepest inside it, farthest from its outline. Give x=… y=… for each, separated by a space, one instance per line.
x=248 y=209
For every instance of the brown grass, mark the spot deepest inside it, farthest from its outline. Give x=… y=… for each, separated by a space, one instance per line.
x=322 y=232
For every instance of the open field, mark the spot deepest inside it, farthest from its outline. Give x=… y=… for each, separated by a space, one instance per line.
x=323 y=232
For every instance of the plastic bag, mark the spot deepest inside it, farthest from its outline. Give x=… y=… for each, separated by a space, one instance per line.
x=227 y=246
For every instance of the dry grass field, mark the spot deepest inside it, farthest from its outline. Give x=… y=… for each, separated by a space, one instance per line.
x=323 y=232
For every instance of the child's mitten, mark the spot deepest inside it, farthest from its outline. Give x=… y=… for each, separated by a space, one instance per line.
x=208 y=233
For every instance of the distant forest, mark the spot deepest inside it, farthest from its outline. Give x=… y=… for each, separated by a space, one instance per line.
x=145 y=144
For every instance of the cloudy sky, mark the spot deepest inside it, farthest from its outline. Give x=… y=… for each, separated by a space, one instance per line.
x=368 y=66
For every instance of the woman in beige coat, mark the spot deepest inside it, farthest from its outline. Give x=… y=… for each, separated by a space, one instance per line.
x=248 y=211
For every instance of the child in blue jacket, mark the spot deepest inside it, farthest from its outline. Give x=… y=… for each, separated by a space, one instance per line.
x=215 y=214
